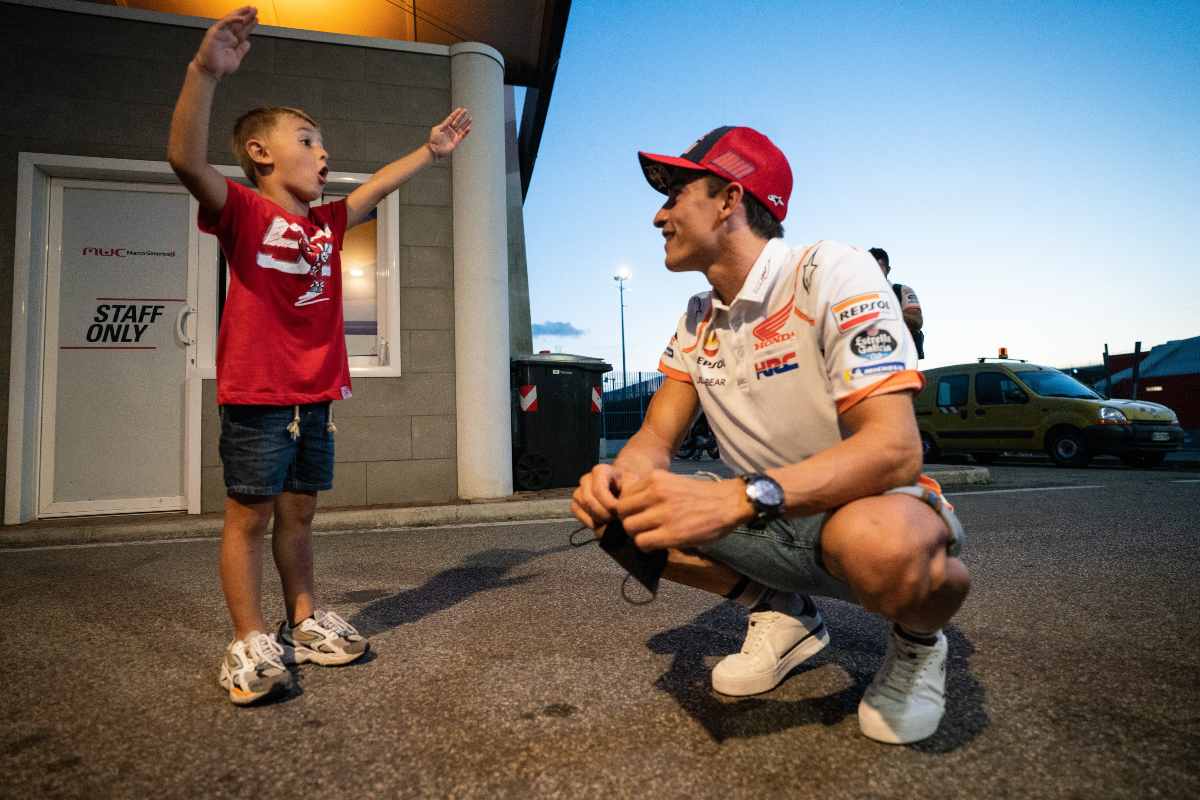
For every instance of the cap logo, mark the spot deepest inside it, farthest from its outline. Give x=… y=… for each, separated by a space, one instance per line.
x=775 y=199
x=734 y=164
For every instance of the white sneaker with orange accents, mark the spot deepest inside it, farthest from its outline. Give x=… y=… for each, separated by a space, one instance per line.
x=251 y=669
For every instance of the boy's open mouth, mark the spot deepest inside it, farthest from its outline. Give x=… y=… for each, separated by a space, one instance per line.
x=323 y=174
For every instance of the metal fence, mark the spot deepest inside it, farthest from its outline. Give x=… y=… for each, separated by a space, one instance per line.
x=626 y=397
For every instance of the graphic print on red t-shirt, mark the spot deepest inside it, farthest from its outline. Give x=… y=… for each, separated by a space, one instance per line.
x=282 y=339
x=281 y=244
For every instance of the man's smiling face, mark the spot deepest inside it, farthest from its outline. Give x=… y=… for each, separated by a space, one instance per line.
x=689 y=221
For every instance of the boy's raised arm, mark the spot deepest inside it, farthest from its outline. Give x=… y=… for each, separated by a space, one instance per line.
x=220 y=54
x=443 y=139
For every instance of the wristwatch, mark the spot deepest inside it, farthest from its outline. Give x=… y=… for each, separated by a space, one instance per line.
x=766 y=495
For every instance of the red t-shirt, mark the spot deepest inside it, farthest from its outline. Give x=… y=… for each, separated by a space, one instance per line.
x=282 y=338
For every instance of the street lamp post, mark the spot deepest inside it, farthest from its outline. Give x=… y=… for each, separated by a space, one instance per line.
x=623 y=274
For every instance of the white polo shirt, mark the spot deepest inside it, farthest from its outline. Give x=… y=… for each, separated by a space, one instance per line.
x=812 y=332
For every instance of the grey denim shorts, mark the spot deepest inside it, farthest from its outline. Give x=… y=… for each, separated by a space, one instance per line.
x=786 y=554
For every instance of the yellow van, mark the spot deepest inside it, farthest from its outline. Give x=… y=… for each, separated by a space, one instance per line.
x=1009 y=405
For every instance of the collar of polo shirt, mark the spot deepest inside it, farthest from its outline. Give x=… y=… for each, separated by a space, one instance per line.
x=760 y=277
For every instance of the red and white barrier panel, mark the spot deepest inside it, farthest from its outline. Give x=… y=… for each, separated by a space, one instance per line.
x=528 y=394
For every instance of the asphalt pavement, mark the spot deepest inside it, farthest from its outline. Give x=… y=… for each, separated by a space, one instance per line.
x=506 y=664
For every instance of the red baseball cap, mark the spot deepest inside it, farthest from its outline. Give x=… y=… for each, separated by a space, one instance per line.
x=735 y=154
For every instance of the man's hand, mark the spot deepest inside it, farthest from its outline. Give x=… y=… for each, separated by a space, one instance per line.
x=226 y=43
x=667 y=510
x=594 y=502
x=449 y=133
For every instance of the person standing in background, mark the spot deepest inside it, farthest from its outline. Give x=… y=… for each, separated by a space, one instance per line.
x=910 y=306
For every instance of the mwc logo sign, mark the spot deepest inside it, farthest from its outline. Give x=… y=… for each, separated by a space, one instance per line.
x=122 y=252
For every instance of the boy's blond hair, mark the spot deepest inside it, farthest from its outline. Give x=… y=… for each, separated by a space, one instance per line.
x=257 y=123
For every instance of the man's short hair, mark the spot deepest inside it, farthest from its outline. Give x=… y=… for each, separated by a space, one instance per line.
x=256 y=123
x=761 y=221
x=881 y=255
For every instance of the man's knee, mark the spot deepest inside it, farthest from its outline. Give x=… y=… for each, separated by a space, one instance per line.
x=891 y=550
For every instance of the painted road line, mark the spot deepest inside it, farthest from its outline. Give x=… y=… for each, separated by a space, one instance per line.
x=1188 y=480
x=1031 y=489
x=342 y=532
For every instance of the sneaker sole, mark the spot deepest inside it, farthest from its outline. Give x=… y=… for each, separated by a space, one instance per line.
x=805 y=649
x=241 y=697
x=874 y=726
x=305 y=656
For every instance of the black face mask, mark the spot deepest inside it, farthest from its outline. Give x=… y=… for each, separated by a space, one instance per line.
x=645 y=568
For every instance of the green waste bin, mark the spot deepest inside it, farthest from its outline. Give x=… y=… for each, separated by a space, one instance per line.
x=556 y=405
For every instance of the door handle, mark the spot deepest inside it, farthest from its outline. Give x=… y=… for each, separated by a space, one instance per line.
x=181 y=333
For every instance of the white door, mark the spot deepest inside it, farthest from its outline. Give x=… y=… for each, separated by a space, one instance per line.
x=117 y=410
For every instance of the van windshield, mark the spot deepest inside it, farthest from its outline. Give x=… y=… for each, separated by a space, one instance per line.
x=1052 y=383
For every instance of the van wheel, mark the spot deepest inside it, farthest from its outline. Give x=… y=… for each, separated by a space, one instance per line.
x=929 y=450
x=1068 y=449
x=984 y=458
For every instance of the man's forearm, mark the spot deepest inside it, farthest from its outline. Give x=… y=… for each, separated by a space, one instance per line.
x=644 y=453
x=867 y=463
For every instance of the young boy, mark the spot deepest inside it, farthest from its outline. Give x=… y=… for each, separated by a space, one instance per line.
x=281 y=352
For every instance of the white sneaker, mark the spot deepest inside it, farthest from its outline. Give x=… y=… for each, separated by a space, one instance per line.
x=907 y=699
x=324 y=638
x=251 y=669
x=777 y=641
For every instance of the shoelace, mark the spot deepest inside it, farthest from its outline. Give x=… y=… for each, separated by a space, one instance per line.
x=757 y=631
x=333 y=622
x=901 y=671
x=264 y=649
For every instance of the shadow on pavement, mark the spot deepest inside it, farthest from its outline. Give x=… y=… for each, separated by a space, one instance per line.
x=479 y=572
x=855 y=648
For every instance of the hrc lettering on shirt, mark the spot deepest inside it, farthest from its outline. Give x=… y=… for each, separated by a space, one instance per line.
x=775 y=366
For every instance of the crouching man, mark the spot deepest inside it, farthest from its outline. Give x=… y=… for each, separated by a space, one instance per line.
x=801 y=361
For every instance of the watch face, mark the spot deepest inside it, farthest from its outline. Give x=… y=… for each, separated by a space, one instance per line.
x=765 y=492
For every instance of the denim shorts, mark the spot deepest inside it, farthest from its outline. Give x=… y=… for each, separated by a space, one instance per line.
x=786 y=554
x=261 y=457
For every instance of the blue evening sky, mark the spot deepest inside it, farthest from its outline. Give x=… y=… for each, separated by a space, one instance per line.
x=1032 y=168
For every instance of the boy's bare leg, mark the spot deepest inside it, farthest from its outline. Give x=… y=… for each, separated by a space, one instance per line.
x=291 y=544
x=241 y=562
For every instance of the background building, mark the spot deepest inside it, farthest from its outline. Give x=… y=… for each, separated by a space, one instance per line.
x=116 y=296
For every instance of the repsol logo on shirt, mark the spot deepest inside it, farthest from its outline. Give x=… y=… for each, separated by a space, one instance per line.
x=775 y=366
x=873 y=343
x=861 y=309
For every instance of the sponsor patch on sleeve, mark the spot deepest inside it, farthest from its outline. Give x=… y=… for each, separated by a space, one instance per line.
x=873 y=369
x=873 y=343
x=861 y=309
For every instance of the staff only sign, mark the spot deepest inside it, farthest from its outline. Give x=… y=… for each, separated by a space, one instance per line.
x=123 y=323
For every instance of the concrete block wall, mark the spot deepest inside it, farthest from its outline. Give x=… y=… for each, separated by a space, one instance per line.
x=87 y=85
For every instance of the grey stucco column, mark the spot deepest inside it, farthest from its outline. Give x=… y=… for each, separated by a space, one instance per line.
x=482 y=394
